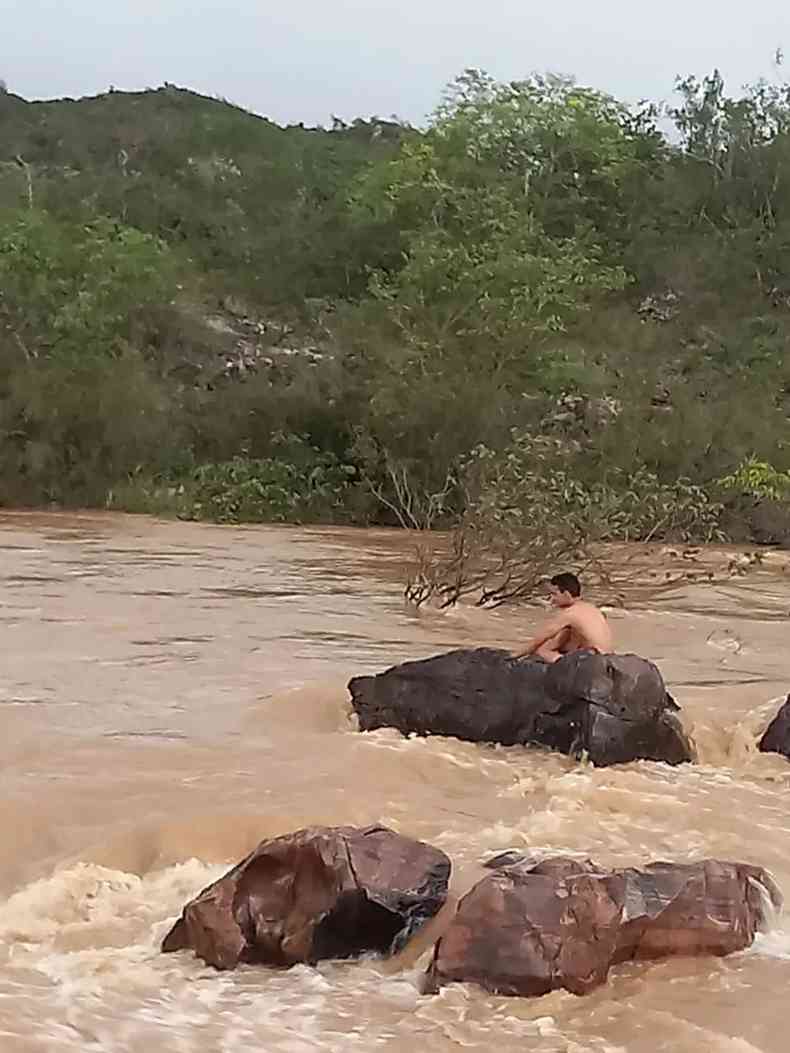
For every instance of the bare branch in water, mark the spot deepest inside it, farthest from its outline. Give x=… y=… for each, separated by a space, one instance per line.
x=413 y=509
x=524 y=519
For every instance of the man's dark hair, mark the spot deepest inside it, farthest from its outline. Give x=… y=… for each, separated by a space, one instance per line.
x=567 y=582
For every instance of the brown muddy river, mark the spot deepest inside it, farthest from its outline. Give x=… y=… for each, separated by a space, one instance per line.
x=172 y=693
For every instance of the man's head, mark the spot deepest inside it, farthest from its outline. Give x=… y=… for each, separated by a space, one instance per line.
x=564 y=589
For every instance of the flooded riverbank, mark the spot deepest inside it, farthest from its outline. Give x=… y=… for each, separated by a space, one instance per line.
x=175 y=692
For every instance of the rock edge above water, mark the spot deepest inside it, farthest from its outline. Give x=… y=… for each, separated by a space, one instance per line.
x=321 y=892
x=529 y=929
x=613 y=708
x=777 y=735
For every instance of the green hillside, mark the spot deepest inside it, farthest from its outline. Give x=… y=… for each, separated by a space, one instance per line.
x=203 y=312
x=253 y=204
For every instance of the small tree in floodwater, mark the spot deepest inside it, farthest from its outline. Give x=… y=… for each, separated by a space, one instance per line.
x=527 y=513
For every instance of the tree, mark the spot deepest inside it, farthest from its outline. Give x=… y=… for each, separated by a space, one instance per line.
x=527 y=512
x=507 y=212
x=80 y=408
x=72 y=290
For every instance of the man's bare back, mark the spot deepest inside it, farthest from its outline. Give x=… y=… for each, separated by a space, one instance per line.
x=577 y=625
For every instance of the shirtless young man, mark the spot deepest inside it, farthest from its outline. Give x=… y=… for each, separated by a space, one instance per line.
x=578 y=625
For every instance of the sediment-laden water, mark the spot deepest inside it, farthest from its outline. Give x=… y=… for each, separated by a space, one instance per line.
x=172 y=693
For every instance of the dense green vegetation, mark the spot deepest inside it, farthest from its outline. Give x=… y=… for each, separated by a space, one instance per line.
x=539 y=309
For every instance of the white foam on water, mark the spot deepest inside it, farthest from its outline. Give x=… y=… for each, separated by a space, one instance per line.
x=268 y=735
x=775 y=943
x=83 y=899
x=91 y=937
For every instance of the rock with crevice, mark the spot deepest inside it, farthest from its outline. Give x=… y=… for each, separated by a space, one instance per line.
x=610 y=708
x=322 y=892
x=531 y=928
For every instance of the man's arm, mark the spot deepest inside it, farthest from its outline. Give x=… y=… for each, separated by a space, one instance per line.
x=545 y=632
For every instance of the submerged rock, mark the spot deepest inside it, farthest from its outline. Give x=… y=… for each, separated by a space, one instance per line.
x=777 y=736
x=323 y=892
x=614 y=708
x=533 y=928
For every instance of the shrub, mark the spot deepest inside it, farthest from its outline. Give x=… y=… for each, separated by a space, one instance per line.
x=757 y=480
x=269 y=490
x=527 y=512
x=757 y=503
x=637 y=506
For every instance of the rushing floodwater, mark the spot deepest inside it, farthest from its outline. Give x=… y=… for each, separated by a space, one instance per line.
x=172 y=693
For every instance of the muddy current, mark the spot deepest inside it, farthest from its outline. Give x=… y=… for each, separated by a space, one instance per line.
x=172 y=693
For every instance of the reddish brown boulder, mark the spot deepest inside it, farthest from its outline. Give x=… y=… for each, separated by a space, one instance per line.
x=323 y=892
x=530 y=929
x=699 y=908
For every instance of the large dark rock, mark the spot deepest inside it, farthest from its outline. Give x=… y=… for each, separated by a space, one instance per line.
x=323 y=892
x=613 y=707
x=777 y=736
x=530 y=929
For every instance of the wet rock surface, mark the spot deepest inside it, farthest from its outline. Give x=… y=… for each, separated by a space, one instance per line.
x=777 y=735
x=530 y=928
x=613 y=708
x=322 y=892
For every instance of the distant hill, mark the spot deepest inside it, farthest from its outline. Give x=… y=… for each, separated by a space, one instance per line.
x=246 y=200
x=540 y=291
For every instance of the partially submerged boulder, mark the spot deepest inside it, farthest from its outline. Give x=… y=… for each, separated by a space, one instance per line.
x=777 y=736
x=323 y=892
x=614 y=708
x=533 y=928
